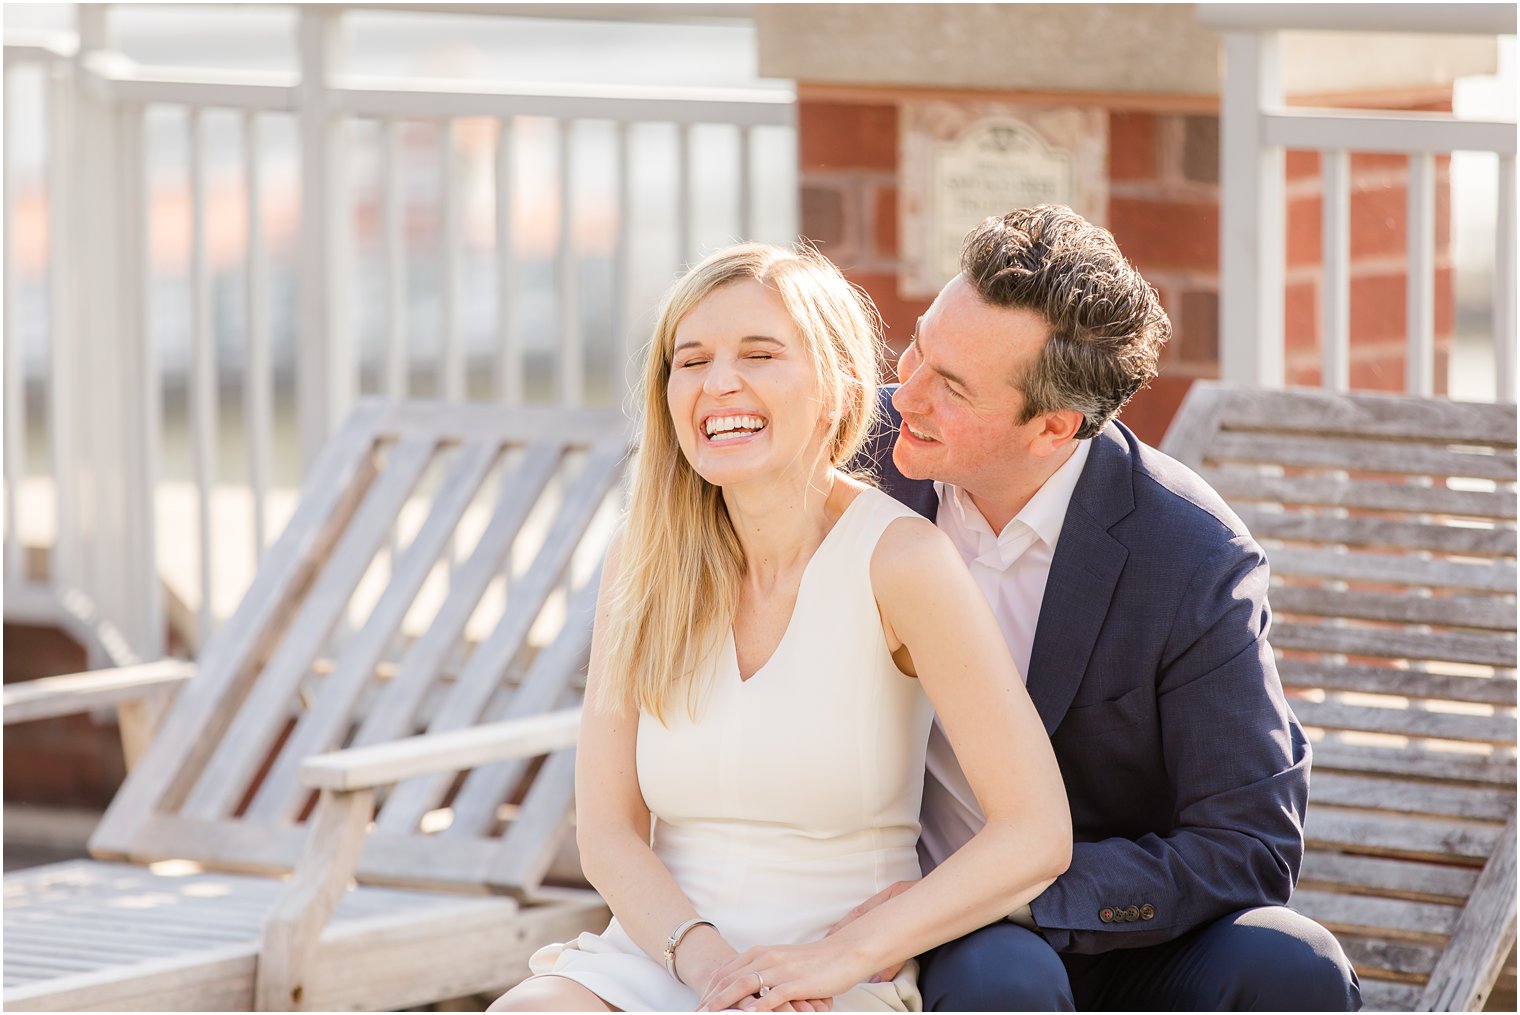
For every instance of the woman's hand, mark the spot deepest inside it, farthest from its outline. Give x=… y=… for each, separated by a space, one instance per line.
x=785 y=977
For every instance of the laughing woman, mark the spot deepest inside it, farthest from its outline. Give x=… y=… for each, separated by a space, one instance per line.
x=770 y=636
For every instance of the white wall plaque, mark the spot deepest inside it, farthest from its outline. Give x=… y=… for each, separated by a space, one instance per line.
x=964 y=162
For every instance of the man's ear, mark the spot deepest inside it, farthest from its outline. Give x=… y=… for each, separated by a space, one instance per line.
x=1055 y=429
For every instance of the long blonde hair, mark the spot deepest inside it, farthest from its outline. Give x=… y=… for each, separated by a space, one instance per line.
x=677 y=589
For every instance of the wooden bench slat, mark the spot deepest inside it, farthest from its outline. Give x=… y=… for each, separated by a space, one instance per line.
x=1497 y=576
x=338 y=478
x=1483 y=612
x=1401 y=835
x=1482 y=938
x=467 y=698
x=1367 y=414
x=1386 y=995
x=1416 y=761
x=259 y=720
x=1475 y=648
x=1389 y=794
x=327 y=720
x=1325 y=870
x=1354 y=454
x=1371 y=916
x=1300 y=526
x=1240 y=485
x=1498 y=689
x=529 y=846
x=1412 y=722
x=547 y=685
x=395 y=713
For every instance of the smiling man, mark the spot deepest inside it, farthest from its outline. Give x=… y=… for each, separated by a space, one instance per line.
x=1135 y=604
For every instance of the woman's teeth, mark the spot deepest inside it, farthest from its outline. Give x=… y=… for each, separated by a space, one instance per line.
x=723 y=428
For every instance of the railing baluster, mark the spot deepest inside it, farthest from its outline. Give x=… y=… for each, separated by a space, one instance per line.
x=509 y=366
x=1335 y=292
x=143 y=398
x=1252 y=211
x=625 y=340
x=686 y=245
x=746 y=184
x=63 y=566
x=452 y=381
x=1504 y=283
x=571 y=367
x=203 y=394
x=258 y=378
x=394 y=239
x=1420 y=292
x=15 y=380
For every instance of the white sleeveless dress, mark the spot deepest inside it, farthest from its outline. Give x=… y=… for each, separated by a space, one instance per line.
x=794 y=796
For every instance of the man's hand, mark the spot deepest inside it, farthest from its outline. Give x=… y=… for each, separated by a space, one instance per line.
x=890 y=892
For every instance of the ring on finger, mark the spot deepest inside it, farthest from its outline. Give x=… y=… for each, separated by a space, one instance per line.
x=764 y=990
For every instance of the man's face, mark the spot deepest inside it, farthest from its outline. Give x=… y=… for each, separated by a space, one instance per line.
x=957 y=397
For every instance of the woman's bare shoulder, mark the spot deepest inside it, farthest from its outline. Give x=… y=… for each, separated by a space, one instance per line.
x=911 y=549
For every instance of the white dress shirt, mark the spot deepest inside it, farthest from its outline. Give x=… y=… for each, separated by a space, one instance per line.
x=1011 y=568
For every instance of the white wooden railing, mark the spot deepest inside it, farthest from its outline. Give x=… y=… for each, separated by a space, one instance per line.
x=105 y=381
x=1256 y=128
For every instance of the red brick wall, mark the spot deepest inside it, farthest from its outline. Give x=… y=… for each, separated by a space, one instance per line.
x=74 y=761
x=1164 y=210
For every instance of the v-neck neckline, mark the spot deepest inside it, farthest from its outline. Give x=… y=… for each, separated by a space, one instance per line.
x=733 y=642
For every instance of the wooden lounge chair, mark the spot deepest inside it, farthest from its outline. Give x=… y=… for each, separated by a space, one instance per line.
x=1389 y=523
x=435 y=804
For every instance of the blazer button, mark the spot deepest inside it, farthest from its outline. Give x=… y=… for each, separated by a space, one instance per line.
x=1147 y=911
x=1106 y=915
x=1131 y=914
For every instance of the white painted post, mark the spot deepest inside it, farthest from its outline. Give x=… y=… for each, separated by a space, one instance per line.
x=15 y=380
x=258 y=376
x=144 y=607
x=102 y=351
x=1252 y=230
x=63 y=570
x=1504 y=283
x=685 y=243
x=204 y=413
x=1420 y=284
x=625 y=339
x=325 y=382
x=746 y=184
x=509 y=371
x=452 y=358
x=571 y=345
x=1335 y=284
x=393 y=204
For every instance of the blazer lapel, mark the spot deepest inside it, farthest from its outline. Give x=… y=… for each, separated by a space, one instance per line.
x=1083 y=574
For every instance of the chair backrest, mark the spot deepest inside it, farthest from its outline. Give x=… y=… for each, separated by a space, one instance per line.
x=439 y=570
x=1389 y=524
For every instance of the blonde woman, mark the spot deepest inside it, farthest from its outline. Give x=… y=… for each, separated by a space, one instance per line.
x=770 y=635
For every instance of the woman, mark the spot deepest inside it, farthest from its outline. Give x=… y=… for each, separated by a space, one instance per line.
x=751 y=756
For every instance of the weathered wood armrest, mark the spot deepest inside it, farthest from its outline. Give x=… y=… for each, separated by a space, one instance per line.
x=383 y=764
x=347 y=780
x=72 y=693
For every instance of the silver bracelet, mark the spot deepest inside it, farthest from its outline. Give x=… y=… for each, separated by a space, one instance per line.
x=675 y=939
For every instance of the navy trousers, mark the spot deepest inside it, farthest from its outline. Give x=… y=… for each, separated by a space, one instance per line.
x=1267 y=959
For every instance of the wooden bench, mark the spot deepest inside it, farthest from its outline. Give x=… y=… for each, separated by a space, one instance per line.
x=1389 y=523
x=434 y=800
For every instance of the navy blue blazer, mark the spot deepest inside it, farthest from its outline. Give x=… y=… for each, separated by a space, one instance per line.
x=1186 y=771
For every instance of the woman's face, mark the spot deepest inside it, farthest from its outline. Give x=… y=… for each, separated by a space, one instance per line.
x=743 y=393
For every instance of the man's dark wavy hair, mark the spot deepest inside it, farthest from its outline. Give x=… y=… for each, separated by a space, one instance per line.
x=1106 y=323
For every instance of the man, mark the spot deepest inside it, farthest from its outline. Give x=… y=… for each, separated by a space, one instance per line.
x=1135 y=602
